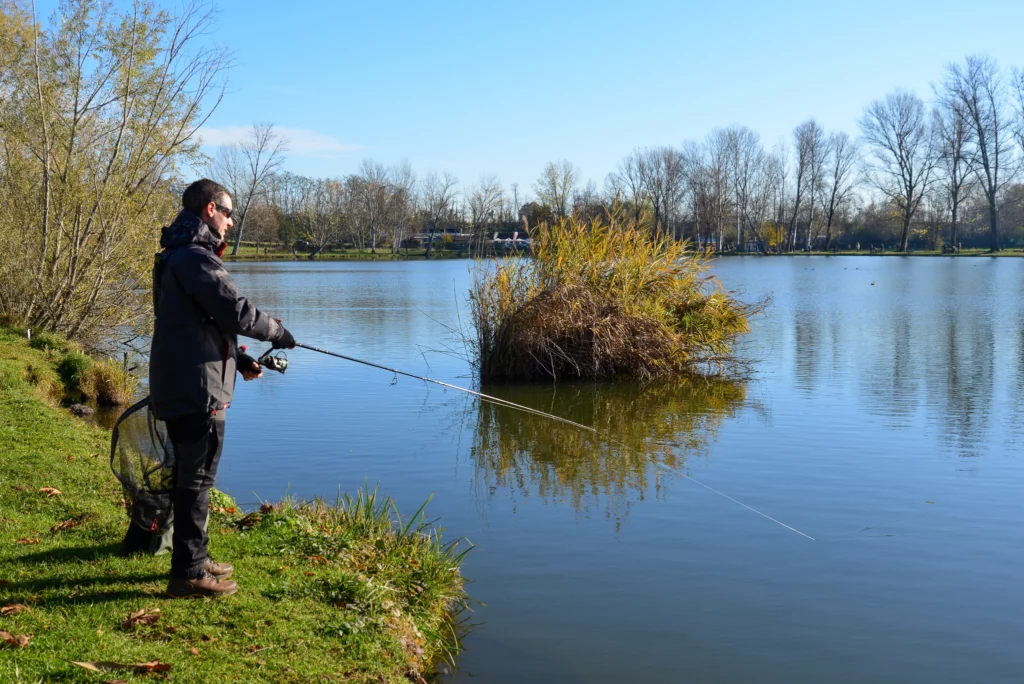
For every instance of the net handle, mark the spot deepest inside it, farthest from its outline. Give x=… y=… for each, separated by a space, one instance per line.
x=114 y=433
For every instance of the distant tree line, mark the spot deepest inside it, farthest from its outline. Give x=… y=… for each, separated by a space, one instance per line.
x=917 y=175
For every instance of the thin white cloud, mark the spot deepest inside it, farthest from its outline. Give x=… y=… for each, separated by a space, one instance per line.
x=302 y=142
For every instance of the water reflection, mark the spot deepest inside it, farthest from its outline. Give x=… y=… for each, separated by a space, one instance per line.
x=645 y=432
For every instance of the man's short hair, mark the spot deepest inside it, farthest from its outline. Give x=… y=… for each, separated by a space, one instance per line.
x=201 y=193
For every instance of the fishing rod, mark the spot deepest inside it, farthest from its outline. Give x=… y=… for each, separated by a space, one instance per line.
x=279 y=362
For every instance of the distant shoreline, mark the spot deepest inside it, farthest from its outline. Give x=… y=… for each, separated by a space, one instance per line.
x=414 y=256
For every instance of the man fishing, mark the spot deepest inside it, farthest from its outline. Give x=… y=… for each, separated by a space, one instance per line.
x=193 y=361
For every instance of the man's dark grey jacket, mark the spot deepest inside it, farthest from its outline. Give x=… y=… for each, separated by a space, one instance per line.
x=199 y=315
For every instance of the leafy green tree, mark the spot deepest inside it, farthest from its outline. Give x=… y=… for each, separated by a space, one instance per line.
x=98 y=114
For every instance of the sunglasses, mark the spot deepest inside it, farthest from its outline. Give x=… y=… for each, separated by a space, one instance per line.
x=224 y=210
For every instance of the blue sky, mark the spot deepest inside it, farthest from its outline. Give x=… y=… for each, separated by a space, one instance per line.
x=481 y=87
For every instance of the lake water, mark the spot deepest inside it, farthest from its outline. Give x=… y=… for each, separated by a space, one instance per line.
x=884 y=420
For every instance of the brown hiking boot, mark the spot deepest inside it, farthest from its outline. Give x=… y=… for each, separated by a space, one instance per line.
x=219 y=570
x=207 y=585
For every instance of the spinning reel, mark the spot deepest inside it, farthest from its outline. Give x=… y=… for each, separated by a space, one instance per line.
x=275 y=362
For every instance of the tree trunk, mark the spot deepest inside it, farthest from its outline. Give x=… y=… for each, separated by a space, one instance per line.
x=993 y=223
x=953 y=226
x=905 y=237
x=238 y=237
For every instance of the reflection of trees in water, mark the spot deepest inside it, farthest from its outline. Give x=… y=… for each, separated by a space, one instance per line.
x=967 y=374
x=892 y=372
x=925 y=352
x=806 y=324
x=642 y=430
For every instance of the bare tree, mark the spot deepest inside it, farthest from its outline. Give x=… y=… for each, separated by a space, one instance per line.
x=401 y=203
x=484 y=201
x=321 y=205
x=760 y=189
x=979 y=88
x=717 y=183
x=586 y=201
x=626 y=184
x=244 y=168
x=555 y=186
x=706 y=178
x=902 y=159
x=263 y=224
x=747 y=159
x=371 y=192
x=438 y=194
x=810 y=150
x=842 y=160
x=1018 y=93
x=954 y=134
x=661 y=172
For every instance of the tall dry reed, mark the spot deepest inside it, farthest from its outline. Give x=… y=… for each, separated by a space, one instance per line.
x=604 y=298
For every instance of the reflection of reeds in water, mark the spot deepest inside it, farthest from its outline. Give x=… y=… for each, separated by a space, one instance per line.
x=642 y=431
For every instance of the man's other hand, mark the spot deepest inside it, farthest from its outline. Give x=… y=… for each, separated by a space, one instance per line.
x=284 y=339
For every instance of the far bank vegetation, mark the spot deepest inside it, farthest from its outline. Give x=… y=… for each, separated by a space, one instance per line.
x=603 y=298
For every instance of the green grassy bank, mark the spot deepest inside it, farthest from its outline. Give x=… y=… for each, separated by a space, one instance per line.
x=338 y=592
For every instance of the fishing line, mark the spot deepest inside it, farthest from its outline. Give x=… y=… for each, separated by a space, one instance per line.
x=503 y=402
x=765 y=515
x=721 y=494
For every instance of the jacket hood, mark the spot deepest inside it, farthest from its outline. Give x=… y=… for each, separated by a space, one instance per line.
x=189 y=229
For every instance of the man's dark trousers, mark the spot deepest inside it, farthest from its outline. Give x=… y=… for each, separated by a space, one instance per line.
x=197 y=440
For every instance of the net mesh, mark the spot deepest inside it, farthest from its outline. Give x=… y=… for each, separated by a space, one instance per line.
x=142 y=459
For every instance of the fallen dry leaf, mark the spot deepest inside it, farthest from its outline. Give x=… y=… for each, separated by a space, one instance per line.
x=317 y=559
x=107 y=666
x=146 y=616
x=13 y=609
x=21 y=641
x=26 y=540
x=50 y=491
x=71 y=458
x=194 y=650
x=68 y=524
x=250 y=520
x=116 y=681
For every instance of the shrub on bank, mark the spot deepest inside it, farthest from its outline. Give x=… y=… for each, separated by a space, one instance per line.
x=603 y=298
x=73 y=368
x=55 y=367
x=47 y=341
x=108 y=383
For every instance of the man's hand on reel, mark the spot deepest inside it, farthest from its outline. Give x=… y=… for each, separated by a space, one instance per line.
x=248 y=366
